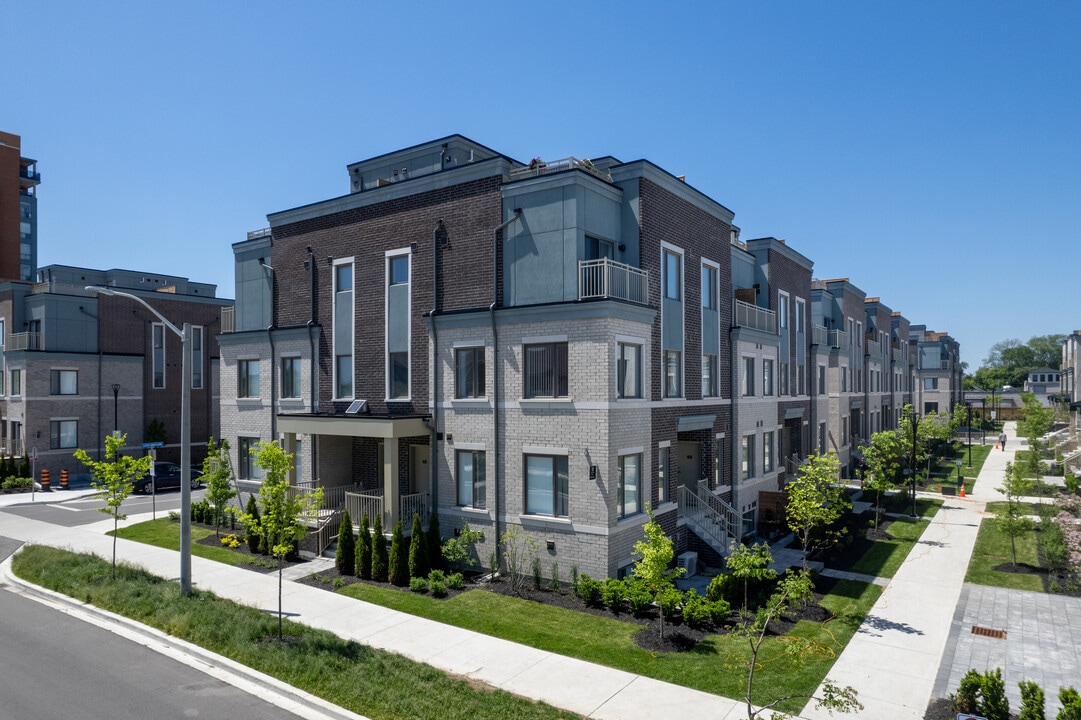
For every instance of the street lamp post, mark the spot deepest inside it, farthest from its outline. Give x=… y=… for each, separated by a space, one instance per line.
x=185 y=431
x=116 y=405
x=968 y=406
x=913 y=416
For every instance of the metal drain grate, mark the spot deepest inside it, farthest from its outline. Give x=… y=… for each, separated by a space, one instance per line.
x=989 y=632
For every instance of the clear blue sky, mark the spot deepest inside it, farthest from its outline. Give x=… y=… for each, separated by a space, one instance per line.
x=928 y=151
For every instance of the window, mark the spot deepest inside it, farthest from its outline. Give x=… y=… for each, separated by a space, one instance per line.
x=16 y=382
x=546 y=370
x=546 y=485
x=821 y=379
x=298 y=461
x=63 y=434
x=469 y=372
x=471 y=484
x=63 y=382
x=709 y=376
x=628 y=371
x=343 y=330
x=158 y=352
x=800 y=311
x=629 y=497
x=398 y=365
x=821 y=438
x=247 y=375
x=844 y=430
x=782 y=378
x=2 y=333
x=930 y=383
x=767 y=376
x=709 y=287
x=398 y=269
x=673 y=373
x=673 y=274
x=800 y=379
x=717 y=466
x=767 y=452
x=245 y=467
x=747 y=456
x=782 y=311
x=748 y=376
x=662 y=475
x=930 y=407
x=597 y=248
x=197 y=358
x=291 y=377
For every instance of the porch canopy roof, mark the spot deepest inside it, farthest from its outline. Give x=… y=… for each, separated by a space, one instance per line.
x=386 y=426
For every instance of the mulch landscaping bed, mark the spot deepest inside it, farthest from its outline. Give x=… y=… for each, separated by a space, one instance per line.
x=258 y=562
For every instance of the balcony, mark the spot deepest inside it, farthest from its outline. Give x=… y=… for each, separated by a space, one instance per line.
x=751 y=316
x=838 y=339
x=371 y=502
x=819 y=335
x=874 y=348
x=538 y=167
x=23 y=341
x=228 y=319
x=609 y=280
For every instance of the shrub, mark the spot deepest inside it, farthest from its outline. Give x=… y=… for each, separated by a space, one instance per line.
x=696 y=611
x=670 y=601
x=639 y=598
x=966 y=700
x=437 y=576
x=1032 y=705
x=419 y=562
x=725 y=587
x=398 y=567
x=719 y=610
x=615 y=594
x=345 y=557
x=1071 y=483
x=435 y=544
x=252 y=529
x=589 y=590
x=16 y=482
x=993 y=703
x=456 y=581
x=553 y=584
x=364 y=549
x=418 y=585
x=230 y=541
x=536 y=573
x=380 y=559
x=1071 y=704
x=574 y=579
x=438 y=589
x=457 y=550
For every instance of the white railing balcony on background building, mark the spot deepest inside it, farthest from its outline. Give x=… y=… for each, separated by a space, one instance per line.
x=838 y=339
x=23 y=341
x=752 y=316
x=612 y=280
x=540 y=167
x=228 y=320
x=874 y=348
x=819 y=335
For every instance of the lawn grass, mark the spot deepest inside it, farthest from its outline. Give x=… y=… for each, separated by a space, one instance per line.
x=364 y=680
x=881 y=558
x=993 y=549
x=901 y=502
x=717 y=665
x=1028 y=508
x=165 y=533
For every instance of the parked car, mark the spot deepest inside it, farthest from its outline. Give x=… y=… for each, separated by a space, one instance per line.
x=166 y=476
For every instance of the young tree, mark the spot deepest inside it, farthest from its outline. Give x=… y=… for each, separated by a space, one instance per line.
x=364 y=549
x=218 y=476
x=398 y=569
x=1012 y=516
x=885 y=460
x=380 y=561
x=655 y=554
x=794 y=589
x=816 y=502
x=345 y=557
x=113 y=478
x=751 y=563
x=418 y=550
x=284 y=511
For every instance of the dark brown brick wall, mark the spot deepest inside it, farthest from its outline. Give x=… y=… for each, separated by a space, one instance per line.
x=469 y=212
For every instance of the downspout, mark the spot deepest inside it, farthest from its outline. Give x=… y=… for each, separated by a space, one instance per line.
x=314 y=364
x=495 y=380
x=273 y=362
x=433 y=477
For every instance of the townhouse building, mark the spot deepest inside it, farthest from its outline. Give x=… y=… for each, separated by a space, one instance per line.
x=548 y=347
x=76 y=365
x=938 y=370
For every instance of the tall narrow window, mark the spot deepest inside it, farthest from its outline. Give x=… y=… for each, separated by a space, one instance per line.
x=628 y=371
x=782 y=378
x=399 y=374
x=673 y=373
x=629 y=496
x=673 y=275
x=471 y=480
x=16 y=382
x=546 y=370
x=747 y=456
x=767 y=452
x=546 y=485
x=397 y=326
x=748 y=376
x=158 y=353
x=767 y=376
x=291 y=377
x=343 y=331
x=709 y=376
x=782 y=311
x=197 y=357
x=662 y=475
x=800 y=313
x=469 y=372
x=246 y=469
x=247 y=379
x=709 y=287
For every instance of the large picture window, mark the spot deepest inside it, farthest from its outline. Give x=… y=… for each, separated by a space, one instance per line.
x=64 y=382
x=628 y=371
x=629 y=499
x=546 y=370
x=546 y=485
x=469 y=372
x=471 y=483
x=247 y=373
x=246 y=469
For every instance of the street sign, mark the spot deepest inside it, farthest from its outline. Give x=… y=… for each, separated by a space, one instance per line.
x=153 y=445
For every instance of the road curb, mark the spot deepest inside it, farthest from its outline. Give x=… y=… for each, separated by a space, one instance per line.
x=241 y=676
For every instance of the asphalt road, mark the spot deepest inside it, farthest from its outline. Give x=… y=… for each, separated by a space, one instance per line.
x=83 y=511
x=56 y=666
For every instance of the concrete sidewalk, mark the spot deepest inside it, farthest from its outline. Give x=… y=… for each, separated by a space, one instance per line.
x=894 y=657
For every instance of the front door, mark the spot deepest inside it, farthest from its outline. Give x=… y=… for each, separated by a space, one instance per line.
x=420 y=476
x=690 y=464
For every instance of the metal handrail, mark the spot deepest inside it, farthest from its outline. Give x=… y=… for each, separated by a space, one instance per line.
x=368 y=501
x=605 y=278
x=748 y=315
x=708 y=522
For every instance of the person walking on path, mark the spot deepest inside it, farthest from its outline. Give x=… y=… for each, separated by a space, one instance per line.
x=1002 y=440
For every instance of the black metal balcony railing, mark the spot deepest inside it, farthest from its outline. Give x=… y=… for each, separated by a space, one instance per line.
x=612 y=280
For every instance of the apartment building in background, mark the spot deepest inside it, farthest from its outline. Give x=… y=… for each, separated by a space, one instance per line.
x=551 y=347
x=19 y=179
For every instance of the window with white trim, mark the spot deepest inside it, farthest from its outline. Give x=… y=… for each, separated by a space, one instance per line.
x=767 y=452
x=748 y=377
x=629 y=495
x=63 y=382
x=546 y=482
x=291 y=369
x=746 y=459
x=662 y=474
x=628 y=370
x=469 y=372
x=471 y=479
x=343 y=331
x=247 y=375
x=767 y=376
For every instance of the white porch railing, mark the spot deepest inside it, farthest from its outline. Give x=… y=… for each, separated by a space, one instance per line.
x=228 y=320
x=838 y=338
x=752 y=316
x=367 y=501
x=606 y=278
x=414 y=503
